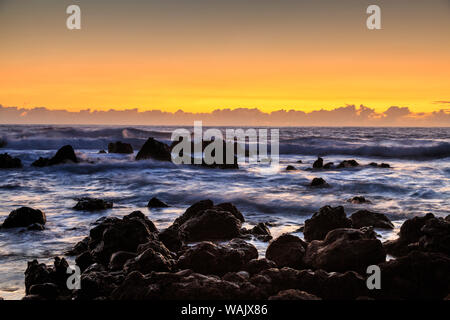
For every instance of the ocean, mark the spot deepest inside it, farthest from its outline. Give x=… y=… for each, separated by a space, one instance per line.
x=418 y=182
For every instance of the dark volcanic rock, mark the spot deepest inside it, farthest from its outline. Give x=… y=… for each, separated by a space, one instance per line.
x=120 y=147
x=24 y=217
x=287 y=251
x=92 y=204
x=63 y=155
x=318 y=182
x=328 y=165
x=348 y=164
x=119 y=258
x=149 y=261
x=98 y=284
x=36 y=227
x=255 y=266
x=294 y=294
x=290 y=168
x=39 y=273
x=153 y=149
x=358 y=200
x=318 y=164
x=156 y=203
x=8 y=162
x=210 y=258
x=3 y=143
x=365 y=218
x=436 y=236
x=344 y=250
x=261 y=231
x=327 y=219
x=171 y=239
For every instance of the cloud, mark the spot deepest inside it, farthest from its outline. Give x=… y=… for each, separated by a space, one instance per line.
x=349 y=115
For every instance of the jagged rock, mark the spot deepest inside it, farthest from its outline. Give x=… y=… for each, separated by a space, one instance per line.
x=327 y=219
x=98 y=284
x=348 y=164
x=171 y=239
x=210 y=258
x=261 y=231
x=365 y=218
x=63 y=155
x=294 y=294
x=287 y=251
x=156 y=203
x=436 y=236
x=37 y=273
x=119 y=258
x=8 y=162
x=84 y=260
x=318 y=182
x=120 y=147
x=24 y=217
x=92 y=204
x=149 y=261
x=318 y=164
x=343 y=250
x=153 y=149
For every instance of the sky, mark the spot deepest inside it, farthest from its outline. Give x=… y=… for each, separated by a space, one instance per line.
x=204 y=55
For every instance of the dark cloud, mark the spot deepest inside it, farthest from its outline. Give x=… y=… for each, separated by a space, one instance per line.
x=349 y=115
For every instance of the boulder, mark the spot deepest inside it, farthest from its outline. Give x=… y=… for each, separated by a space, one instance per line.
x=153 y=149
x=24 y=217
x=98 y=284
x=148 y=261
x=290 y=168
x=318 y=182
x=64 y=155
x=343 y=250
x=287 y=251
x=39 y=273
x=120 y=147
x=255 y=266
x=366 y=218
x=261 y=232
x=436 y=236
x=210 y=258
x=358 y=200
x=156 y=203
x=327 y=219
x=8 y=162
x=348 y=164
x=318 y=164
x=119 y=258
x=92 y=204
x=328 y=165
x=294 y=294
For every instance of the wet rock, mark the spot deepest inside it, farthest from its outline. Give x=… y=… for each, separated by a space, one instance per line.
x=171 y=239
x=92 y=204
x=318 y=164
x=327 y=219
x=156 y=203
x=385 y=165
x=120 y=147
x=290 y=168
x=382 y=165
x=358 y=200
x=102 y=152
x=436 y=236
x=294 y=294
x=79 y=247
x=318 y=182
x=299 y=161
x=287 y=251
x=119 y=258
x=210 y=258
x=36 y=227
x=328 y=165
x=418 y=275
x=98 y=284
x=24 y=217
x=84 y=260
x=409 y=236
x=348 y=164
x=255 y=266
x=38 y=273
x=261 y=231
x=149 y=261
x=8 y=162
x=64 y=155
x=365 y=218
x=153 y=149
x=343 y=250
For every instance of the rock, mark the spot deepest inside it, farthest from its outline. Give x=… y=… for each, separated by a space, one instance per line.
x=416 y=276
x=343 y=250
x=156 y=203
x=318 y=164
x=287 y=251
x=348 y=164
x=255 y=266
x=171 y=239
x=327 y=219
x=358 y=200
x=8 y=162
x=84 y=260
x=36 y=227
x=382 y=165
x=210 y=258
x=3 y=143
x=119 y=258
x=328 y=165
x=373 y=164
x=436 y=236
x=385 y=165
x=98 y=284
x=447 y=218
x=64 y=155
x=318 y=182
x=24 y=217
x=290 y=168
x=120 y=147
x=299 y=161
x=92 y=204
x=45 y=290
x=153 y=149
x=365 y=218
x=37 y=273
x=149 y=261
x=102 y=152
x=409 y=236
x=294 y=294
x=261 y=231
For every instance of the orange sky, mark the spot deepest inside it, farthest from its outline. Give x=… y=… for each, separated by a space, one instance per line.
x=296 y=56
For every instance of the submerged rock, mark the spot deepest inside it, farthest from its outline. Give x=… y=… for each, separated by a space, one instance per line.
x=92 y=204
x=358 y=200
x=348 y=164
x=120 y=147
x=64 y=155
x=24 y=217
x=287 y=251
x=156 y=203
x=153 y=149
x=8 y=162
x=318 y=182
x=365 y=218
x=291 y=168
x=327 y=219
